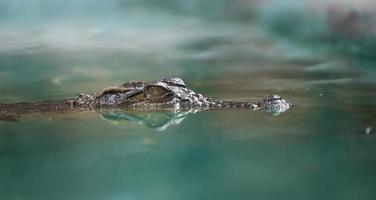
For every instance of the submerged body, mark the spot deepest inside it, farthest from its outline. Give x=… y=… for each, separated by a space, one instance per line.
x=168 y=94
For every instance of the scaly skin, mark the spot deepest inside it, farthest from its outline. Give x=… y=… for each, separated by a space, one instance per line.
x=167 y=94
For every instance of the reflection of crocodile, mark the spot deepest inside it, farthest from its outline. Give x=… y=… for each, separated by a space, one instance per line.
x=157 y=120
x=167 y=94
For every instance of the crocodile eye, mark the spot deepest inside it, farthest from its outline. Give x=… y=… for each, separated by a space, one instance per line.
x=156 y=91
x=137 y=97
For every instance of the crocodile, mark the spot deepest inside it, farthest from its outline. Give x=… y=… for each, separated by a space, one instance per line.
x=169 y=94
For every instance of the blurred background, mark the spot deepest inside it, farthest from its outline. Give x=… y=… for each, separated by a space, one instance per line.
x=62 y=48
x=318 y=54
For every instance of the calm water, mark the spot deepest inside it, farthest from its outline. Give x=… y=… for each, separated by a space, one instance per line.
x=323 y=148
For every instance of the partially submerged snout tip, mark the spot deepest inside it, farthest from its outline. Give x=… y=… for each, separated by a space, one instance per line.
x=275 y=104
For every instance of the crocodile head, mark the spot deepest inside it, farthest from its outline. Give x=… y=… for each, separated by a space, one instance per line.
x=166 y=93
x=170 y=94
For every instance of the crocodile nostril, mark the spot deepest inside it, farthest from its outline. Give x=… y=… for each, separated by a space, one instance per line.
x=272 y=98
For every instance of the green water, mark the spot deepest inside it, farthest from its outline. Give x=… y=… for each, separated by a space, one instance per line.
x=319 y=149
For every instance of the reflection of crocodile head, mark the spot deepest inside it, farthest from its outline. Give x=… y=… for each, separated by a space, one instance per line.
x=158 y=120
x=169 y=94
